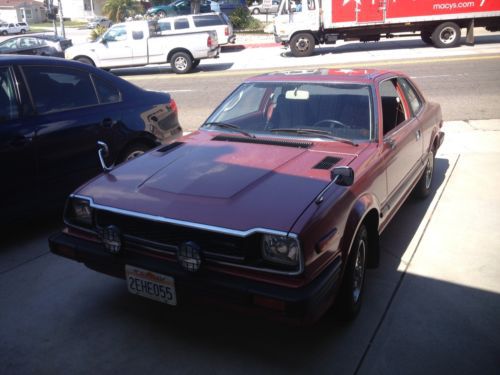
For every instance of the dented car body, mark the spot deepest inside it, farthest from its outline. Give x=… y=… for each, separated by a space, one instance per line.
x=275 y=205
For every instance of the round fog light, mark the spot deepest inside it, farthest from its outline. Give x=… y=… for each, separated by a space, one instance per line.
x=189 y=256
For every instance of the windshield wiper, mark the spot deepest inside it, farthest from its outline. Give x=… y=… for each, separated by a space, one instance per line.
x=323 y=133
x=225 y=125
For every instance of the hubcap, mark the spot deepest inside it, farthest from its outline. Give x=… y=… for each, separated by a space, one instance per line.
x=428 y=171
x=359 y=270
x=448 y=35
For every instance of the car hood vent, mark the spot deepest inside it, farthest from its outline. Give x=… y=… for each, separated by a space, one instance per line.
x=264 y=141
x=327 y=163
x=169 y=147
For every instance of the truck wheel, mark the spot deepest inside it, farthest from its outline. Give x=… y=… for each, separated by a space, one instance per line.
x=195 y=63
x=426 y=37
x=4 y=32
x=85 y=60
x=302 y=45
x=354 y=276
x=423 y=187
x=256 y=11
x=181 y=62
x=446 y=35
x=23 y=31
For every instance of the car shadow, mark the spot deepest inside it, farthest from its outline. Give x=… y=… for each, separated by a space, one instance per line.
x=166 y=69
x=388 y=44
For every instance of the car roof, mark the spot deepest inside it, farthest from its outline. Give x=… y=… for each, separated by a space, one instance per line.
x=360 y=76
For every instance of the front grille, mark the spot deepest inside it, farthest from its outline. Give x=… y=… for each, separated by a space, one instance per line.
x=147 y=235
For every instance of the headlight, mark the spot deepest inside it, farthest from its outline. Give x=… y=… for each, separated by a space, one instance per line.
x=79 y=212
x=281 y=249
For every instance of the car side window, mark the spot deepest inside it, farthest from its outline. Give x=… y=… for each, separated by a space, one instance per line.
x=9 y=109
x=116 y=34
x=106 y=91
x=164 y=26
x=412 y=96
x=56 y=89
x=181 y=23
x=393 y=110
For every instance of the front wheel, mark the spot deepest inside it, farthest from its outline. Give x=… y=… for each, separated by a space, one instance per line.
x=302 y=45
x=181 y=63
x=133 y=152
x=256 y=11
x=351 y=291
x=446 y=35
x=23 y=31
x=4 y=32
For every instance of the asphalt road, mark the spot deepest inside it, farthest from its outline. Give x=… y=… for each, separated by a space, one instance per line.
x=467 y=87
x=57 y=317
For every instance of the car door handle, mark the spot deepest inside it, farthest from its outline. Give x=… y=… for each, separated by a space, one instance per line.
x=107 y=123
x=418 y=134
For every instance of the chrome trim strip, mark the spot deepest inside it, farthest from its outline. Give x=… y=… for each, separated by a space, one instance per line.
x=161 y=219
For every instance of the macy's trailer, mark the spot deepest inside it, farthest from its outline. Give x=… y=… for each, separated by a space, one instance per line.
x=439 y=22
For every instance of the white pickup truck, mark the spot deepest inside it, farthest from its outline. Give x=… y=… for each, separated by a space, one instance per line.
x=139 y=43
x=13 y=28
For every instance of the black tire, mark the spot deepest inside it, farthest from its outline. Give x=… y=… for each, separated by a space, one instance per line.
x=195 y=63
x=85 y=60
x=446 y=35
x=426 y=37
x=23 y=31
x=302 y=45
x=133 y=151
x=423 y=187
x=256 y=11
x=4 y=32
x=181 y=62
x=351 y=290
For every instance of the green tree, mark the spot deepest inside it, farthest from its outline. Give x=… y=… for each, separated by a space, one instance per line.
x=117 y=10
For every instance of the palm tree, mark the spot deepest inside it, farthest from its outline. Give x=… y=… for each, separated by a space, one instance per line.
x=117 y=10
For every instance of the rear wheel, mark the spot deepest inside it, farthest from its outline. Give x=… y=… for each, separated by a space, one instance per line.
x=446 y=35
x=423 y=187
x=302 y=45
x=85 y=60
x=351 y=291
x=181 y=62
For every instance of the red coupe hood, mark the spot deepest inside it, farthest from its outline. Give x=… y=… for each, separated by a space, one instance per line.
x=239 y=185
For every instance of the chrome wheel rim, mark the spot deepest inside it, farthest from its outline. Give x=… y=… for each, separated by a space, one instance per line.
x=303 y=44
x=134 y=154
x=448 y=35
x=180 y=63
x=359 y=270
x=428 y=170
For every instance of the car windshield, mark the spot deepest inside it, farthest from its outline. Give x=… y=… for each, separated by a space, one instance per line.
x=316 y=110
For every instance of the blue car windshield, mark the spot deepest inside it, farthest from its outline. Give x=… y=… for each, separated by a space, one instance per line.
x=298 y=108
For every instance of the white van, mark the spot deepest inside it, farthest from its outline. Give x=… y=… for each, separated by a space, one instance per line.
x=199 y=22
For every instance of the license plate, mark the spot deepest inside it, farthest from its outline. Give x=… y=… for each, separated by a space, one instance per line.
x=151 y=285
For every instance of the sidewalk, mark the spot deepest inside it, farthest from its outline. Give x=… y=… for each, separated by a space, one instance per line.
x=443 y=318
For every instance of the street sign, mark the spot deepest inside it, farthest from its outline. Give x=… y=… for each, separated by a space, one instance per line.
x=266 y=4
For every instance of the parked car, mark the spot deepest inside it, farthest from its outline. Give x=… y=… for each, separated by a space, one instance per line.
x=176 y=8
x=99 y=21
x=274 y=206
x=218 y=22
x=258 y=8
x=229 y=6
x=14 y=28
x=52 y=114
x=42 y=44
x=139 y=43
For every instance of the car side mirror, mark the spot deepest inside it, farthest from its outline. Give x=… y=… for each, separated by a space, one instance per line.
x=343 y=176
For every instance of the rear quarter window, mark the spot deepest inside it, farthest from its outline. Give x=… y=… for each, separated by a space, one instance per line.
x=106 y=92
x=181 y=23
